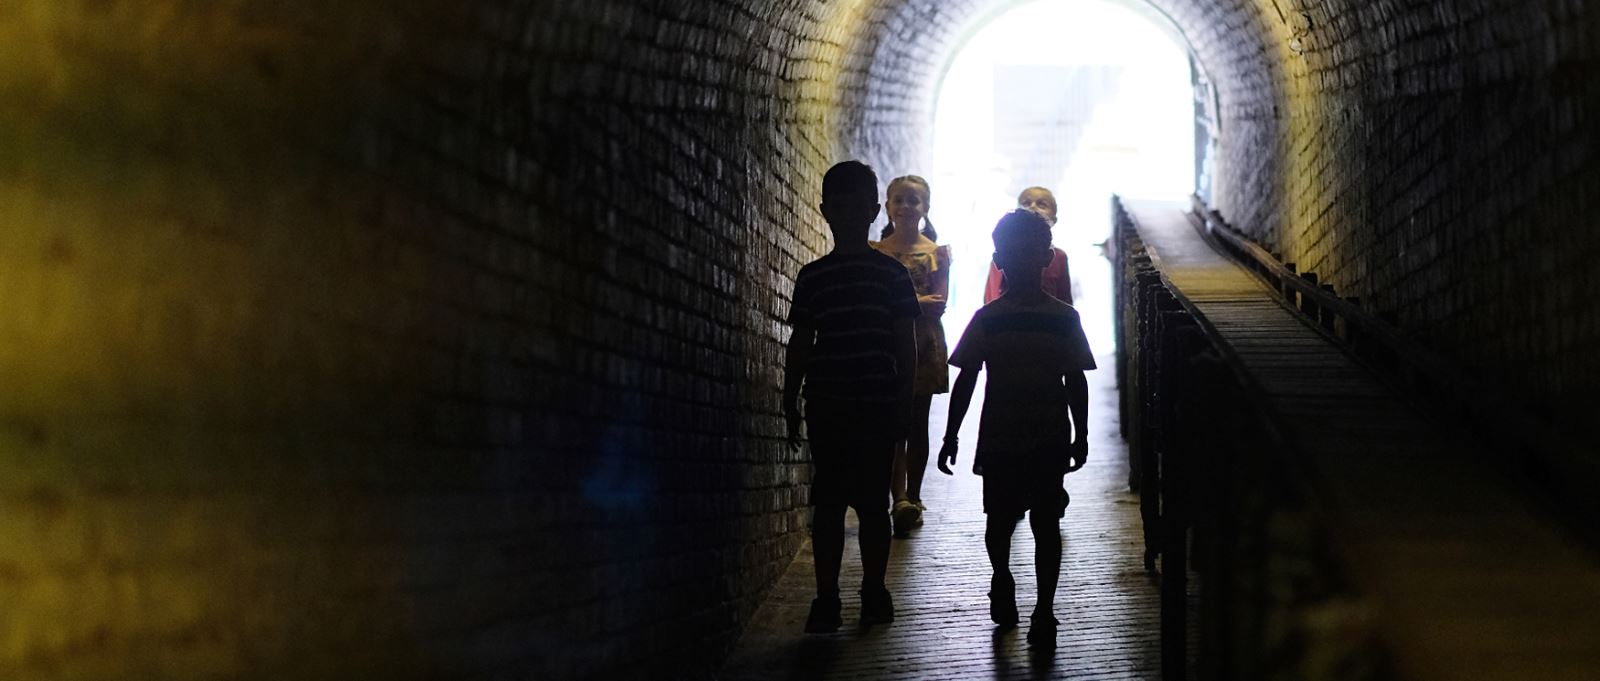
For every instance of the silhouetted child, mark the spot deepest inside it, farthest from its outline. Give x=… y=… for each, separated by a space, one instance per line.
x=1056 y=280
x=854 y=350
x=1035 y=352
x=928 y=263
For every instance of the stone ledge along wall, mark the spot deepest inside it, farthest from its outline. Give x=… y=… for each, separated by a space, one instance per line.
x=383 y=339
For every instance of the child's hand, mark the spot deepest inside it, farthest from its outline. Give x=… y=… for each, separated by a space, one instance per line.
x=793 y=419
x=947 y=455
x=1077 y=454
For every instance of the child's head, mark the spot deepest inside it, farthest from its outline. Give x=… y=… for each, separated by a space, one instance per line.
x=850 y=199
x=1022 y=244
x=908 y=198
x=1039 y=200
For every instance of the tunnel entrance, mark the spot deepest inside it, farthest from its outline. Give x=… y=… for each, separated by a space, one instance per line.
x=1083 y=97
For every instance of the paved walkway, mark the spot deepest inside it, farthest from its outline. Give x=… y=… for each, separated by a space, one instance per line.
x=1107 y=605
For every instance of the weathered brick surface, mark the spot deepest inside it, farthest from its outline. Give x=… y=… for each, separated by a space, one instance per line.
x=1431 y=158
x=443 y=339
x=399 y=341
x=1442 y=170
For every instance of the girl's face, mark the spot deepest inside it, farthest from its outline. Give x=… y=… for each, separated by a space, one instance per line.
x=907 y=205
x=1041 y=202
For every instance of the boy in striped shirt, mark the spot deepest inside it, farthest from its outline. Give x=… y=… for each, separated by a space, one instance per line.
x=854 y=351
x=1035 y=352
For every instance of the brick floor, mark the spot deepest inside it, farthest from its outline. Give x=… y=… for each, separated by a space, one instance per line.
x=1107 y=604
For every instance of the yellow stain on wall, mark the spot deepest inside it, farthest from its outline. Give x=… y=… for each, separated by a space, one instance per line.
x=1304 y=116
x=823 y=72
x=168 y=248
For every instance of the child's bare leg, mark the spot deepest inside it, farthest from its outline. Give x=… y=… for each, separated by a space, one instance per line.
x=827 y=546
x=897 y=474
x=874 y=541
x=916 y=457
x=1046 y=558
x=1002 y=587
x=997 y=540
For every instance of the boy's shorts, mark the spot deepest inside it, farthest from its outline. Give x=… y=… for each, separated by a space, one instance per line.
x=1023 y=485
x=852 y=449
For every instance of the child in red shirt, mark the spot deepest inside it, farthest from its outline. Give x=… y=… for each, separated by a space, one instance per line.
x=1056 y=279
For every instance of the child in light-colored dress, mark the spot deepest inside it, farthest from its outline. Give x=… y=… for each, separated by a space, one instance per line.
x=910 y=239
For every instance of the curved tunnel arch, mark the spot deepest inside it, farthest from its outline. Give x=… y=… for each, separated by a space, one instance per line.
x=1151 y=13
x=1244 y=62
x=347 y=330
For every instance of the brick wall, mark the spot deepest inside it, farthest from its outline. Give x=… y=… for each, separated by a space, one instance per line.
x=1431 y=158
x=395 y=339
x=398 y=340
x=1443 y=171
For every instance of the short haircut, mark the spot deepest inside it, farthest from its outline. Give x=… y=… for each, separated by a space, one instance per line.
x=849 y=177
x=1021 y=228
x=1037 y=188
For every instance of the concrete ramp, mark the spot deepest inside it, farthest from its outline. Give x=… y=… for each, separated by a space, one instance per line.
x=1467 y=580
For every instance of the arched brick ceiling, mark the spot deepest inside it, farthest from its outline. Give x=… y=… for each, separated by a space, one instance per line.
x=1242 y=46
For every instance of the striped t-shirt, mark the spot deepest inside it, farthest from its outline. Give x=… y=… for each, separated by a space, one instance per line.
x=1026 y=350
x=852 y=301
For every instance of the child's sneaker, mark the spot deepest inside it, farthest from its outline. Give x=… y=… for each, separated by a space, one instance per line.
x=1042 y=631
x=906 y=515
x=876 y=606
x=1003 y=601
x=824 y=617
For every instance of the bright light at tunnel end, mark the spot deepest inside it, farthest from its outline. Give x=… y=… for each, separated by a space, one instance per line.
x=1085 y=97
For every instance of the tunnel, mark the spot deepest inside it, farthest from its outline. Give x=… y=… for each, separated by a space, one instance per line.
x=444 y=340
